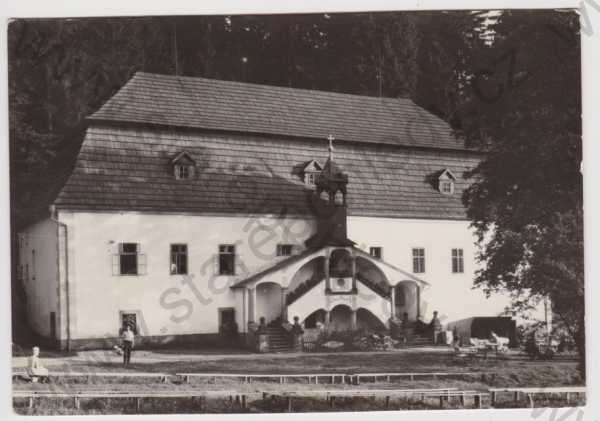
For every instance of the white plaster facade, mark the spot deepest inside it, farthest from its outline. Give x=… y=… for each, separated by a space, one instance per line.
x=74 y=276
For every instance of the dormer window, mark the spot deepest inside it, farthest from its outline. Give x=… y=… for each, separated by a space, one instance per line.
x=446 y=182
x=310 y=172
x=183 y=166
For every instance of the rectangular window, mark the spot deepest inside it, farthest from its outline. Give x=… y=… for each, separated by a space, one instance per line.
x=375 y=252
x=284 y=249
x=183 y=172
x=179 y=259
x=446 y=187
x=458 y=263
x=128 y=258
x=418 y=260
x=227 y=320
x=226 y=259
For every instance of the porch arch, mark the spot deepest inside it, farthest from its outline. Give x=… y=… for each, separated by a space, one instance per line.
x=365 y=319
x=309 y=273
x=340 y=318
x=407 y=296
x=317 y=316
x=367 y=272
x=269 y=303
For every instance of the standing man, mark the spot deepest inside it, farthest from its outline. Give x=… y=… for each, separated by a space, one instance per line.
x=128 y=339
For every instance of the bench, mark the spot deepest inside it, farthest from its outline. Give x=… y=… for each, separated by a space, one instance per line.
x=25 y=375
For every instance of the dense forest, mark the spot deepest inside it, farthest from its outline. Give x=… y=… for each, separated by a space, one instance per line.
x=62 y=70
x=508 y=82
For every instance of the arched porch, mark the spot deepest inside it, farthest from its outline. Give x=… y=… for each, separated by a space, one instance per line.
x=270 y=298
x=406 y=300
x=343 y=317
x=325 y=278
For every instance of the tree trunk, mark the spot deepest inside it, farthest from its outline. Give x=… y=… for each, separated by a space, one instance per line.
x=580 y=344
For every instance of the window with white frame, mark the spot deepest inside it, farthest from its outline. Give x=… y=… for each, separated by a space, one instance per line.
x=285 y=249
x=446 y=187
x=183 y=172
x=227 y=259
x=179 y=259
x=446 y=182
x=129 y=260
x=418 y=255
x=310 y=172
x=458 y=264
x=375 y=252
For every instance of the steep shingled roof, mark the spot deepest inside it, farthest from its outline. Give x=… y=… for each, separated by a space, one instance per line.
x=124 y=167
x=250 y=108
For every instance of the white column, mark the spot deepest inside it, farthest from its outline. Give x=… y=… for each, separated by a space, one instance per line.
x=327 y=284
x=284 y=315
x=327 y=319
x=353 y=320
x=353 y=257
x=393 y=301
x=418 y=302
x=244 y=310
x=253 y=308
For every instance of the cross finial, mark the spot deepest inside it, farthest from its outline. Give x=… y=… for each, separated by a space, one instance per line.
x=331 y=139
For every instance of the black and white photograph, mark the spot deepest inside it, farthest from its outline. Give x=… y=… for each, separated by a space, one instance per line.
x=297 y=212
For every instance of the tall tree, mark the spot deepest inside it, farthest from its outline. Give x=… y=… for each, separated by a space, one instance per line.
x=446 y=42
x=526 y=199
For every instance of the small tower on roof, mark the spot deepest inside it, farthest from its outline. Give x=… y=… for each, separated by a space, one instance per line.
x=331 y=215
x=332 y=179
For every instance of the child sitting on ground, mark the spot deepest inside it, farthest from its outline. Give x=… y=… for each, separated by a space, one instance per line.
x=35 y=369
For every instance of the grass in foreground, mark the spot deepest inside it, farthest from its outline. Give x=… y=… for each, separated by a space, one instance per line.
x=493 y=373
x=269 y=404
x=506 y=372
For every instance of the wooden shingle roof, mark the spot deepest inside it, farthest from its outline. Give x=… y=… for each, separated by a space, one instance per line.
x=124 y=167
x=250 y=108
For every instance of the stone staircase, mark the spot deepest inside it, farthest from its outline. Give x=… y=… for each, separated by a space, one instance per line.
x=419 y=341
x=416 y=339
x=279 y=340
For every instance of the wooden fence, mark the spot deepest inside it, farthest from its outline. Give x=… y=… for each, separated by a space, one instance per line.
x=241 y=399
x=531 y=392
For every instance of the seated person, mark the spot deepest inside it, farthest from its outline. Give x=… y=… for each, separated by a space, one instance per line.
x=35 y=369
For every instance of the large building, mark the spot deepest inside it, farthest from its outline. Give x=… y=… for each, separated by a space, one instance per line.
x=195 y=205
